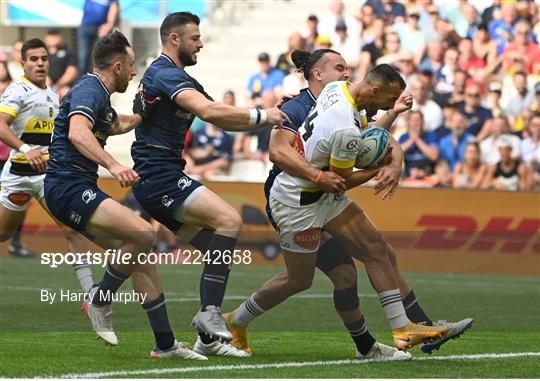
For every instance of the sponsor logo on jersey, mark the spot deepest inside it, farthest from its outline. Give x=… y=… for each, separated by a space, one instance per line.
x=184 y=182
x=308 y=239
x=19 y=198
x=88 y=195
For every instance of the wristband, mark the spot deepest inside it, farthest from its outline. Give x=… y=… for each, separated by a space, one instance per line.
x=263 y=117
x=24 y=149
x=318 y=177
x=254 y=115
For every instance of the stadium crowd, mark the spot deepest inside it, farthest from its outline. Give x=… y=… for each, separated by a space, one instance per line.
x=473 y=71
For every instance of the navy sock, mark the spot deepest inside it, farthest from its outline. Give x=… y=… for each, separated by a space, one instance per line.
x=16 y=239
x=111 y=282
x=360 y=335
x=414 y=312
x=156 y=310
x=200 y=242
x=215 y=275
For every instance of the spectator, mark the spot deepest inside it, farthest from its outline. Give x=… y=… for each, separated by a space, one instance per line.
x=5 y=78
x=493 y=99
x=15 y=65
x=530 y=146
x=323 y=42
x=392 y=49
x=390 y=11
x=446 y=82
x=452 y=146
x=433 y=117
x=465 y=19
x=412 y=37
x=468 y=61
x=522 y=48
x=501 y=30
x=374 y=50
x=366 y=18
x=488 y=146
x=443 y=176
x=210 y=152
x=475 y=114
x=346 y=45
x=483 y=47
x=492 y=12
x=471 y=173
x=520 y=98
x=509 y=173
x=284 y=61
x=262 y=135
x=429 y=24
x=269 y=78
x=310 y=37
x=444 y=32
x=62 y=63
x=419 y=147
x=535 y=107
x=434 y=59
x=327 y=26
x=99 y=17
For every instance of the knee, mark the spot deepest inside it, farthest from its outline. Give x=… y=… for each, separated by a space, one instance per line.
x=299 y=285
x=343 y=277
x=143 y=239
x=229 y=221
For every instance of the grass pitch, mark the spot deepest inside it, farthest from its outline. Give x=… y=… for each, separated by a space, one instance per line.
x=301 y=338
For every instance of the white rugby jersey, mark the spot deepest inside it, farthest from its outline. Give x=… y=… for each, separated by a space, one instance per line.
x=330 y=135
x=34 y=110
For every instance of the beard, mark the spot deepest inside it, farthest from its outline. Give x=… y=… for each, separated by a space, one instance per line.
x=186 y=57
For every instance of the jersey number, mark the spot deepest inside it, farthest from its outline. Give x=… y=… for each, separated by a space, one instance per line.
x=308 y=125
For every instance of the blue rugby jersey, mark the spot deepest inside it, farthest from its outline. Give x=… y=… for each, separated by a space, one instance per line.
x=88 y=97
x=160 y=138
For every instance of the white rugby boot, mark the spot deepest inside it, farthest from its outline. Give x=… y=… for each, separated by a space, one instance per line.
x=212 y=323
x=218 y=348
x=381 y=352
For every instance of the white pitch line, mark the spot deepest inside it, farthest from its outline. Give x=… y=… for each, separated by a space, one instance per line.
x=479 y=356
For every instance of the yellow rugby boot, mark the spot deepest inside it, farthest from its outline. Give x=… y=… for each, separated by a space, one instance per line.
x=239 y=334
x=413 y=334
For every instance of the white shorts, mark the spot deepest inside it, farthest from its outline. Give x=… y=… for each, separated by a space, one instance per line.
x=300 y=227
x=17 y=191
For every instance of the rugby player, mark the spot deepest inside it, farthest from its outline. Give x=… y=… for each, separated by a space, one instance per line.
x=177 y=201
x=320 y=68
x=27 y=111
x=329 y=139
x=85 y=121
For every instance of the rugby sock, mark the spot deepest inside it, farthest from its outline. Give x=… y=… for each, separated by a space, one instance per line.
x=246 y=312
x=111 y=282
x=156 y=310
x=84 y=275
x=360 y=335
x=415 y=313
x=393 y=308
x=215 y=275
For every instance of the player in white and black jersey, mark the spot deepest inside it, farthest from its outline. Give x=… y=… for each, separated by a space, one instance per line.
x=328 y=139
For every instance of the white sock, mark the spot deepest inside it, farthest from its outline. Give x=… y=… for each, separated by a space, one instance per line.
x=84 y=275
x=246 y=312
x=393 y=308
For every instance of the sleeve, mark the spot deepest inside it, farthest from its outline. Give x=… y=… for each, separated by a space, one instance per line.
x=292 y=113
x=172 y=82
x=71 y=58
x=345 y=143
x=11 y=101
x=87 y=102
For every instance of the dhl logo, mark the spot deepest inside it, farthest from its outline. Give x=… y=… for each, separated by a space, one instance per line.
x=449 y=232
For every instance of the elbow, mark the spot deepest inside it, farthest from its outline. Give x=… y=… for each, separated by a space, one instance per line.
x=276 y=156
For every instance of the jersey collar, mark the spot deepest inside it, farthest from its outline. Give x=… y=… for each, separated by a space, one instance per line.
x=167 y=57
x=101 y=82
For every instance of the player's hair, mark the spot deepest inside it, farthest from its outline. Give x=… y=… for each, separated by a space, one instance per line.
x=175 y=20
x=304 y=61
x=384 y=74
x=34 y=43
x=108 y=47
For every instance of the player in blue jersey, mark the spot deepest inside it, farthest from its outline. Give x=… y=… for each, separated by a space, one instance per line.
x=320 y=68
x=170 y=196
x=85 y=121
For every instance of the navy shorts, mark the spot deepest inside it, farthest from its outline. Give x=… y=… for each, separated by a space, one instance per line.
x=73 y=200
x=166 y=195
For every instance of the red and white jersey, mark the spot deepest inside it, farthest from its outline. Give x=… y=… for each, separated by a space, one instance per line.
x=330 y=135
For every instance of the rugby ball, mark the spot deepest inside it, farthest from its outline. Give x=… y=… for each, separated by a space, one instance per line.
x=372 y=148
